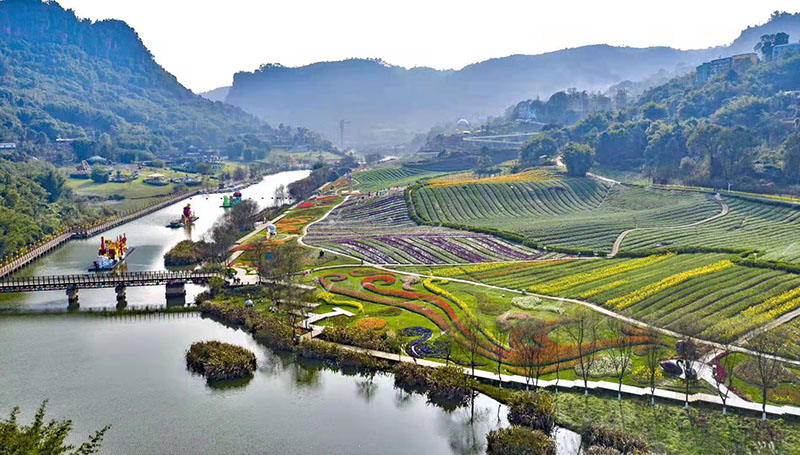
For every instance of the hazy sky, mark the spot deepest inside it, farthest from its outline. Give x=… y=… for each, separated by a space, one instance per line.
x=204 y=42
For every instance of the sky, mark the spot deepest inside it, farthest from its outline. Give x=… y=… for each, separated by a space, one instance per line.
x=203 y=43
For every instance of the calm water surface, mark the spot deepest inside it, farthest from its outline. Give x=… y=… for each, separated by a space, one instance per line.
x=130 y=372
x=151 y=239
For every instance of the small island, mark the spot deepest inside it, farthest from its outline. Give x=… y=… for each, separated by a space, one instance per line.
x=219 y=361
x=186 y=252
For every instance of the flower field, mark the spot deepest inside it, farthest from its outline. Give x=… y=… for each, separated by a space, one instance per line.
x=306 y=212
x=702 y=294
x=379 y=230
x=774 y=229
x=534 y=175
x=452 y=311
x=577 y=213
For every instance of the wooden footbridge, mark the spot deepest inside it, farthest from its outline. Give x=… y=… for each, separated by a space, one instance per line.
x=174 y=281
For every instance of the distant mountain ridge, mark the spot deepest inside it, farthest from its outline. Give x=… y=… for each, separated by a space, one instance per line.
x=383 y=103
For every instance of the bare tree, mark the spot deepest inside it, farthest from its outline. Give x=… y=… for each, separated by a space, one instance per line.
x=280 y=194
x=583 y=331
x=531 y=349
x=767 y=346
x=654 y=351
x=621 y=356
x=281 y=275
x=723 y=364
x=688 y=357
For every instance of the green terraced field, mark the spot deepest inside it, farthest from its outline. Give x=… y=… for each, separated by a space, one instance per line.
x=577 y=213
x=384 y=177
x=773 y=229
x=700 y=294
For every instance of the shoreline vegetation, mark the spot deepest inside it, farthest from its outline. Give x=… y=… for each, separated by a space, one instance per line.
x=219 y=361
x=664 y=427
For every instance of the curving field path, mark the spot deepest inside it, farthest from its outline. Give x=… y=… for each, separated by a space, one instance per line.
x=621 y=238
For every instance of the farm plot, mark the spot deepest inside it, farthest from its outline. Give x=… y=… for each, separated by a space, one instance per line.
x=771 y=228
x=379 y=230
x=385 y=177
x=577 y=213
x=700 y=294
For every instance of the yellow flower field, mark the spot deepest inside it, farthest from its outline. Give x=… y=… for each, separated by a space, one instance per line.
x=571 y=281
x=672 y=280
x=463 y=178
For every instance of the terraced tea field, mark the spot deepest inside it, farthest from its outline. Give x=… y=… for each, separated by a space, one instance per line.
x=577 y=213
x=385 y=177
x=379 y=230
x=701 y=294
x=773 y=229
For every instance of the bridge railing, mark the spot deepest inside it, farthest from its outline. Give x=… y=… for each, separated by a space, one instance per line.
x=93 y=279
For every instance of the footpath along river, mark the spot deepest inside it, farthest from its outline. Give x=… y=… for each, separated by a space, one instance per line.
x=129 y=372
x=151 y=239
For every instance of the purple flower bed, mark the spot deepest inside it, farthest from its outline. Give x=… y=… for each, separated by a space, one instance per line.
x=384 y=221
x=458 y=250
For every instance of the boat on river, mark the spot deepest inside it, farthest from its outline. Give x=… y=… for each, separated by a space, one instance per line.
x=188 y=217
x=111 y=254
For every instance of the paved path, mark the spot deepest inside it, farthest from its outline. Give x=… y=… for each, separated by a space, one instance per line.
x=733 y=402
x=618 y=242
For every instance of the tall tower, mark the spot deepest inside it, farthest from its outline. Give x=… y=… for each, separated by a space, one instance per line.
x=342 y=123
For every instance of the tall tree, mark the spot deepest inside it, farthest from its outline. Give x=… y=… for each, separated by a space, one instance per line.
x=622 y=355
x=577 y=158
x=531 y=349
x=584 y=332
x=540 y=145
x=653 y=353
x=791 y=158
x=768 y=42
x=723 y=374
x=767 y=346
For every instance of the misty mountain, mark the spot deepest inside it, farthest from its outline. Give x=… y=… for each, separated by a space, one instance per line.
x=218 y=94
x=385 y=103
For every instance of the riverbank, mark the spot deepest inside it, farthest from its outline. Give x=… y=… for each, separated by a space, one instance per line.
x=703 y=428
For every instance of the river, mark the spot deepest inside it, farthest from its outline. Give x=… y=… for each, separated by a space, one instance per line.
x=129 y=371
x=151 y=239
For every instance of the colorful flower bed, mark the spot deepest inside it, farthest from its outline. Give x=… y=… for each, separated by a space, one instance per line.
x=437 y=308
x=371 y=323
x=379 y=230
x=305 y=205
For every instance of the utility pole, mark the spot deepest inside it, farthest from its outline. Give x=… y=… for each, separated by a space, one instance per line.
x=342 y=123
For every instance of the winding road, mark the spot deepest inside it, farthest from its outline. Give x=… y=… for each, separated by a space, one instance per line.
x=621 y=238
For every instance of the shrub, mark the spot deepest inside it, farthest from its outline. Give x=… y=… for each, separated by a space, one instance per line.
x=519 y=441
x=450 y=384
x=367 y=339
x=265 y=328
x=615 y=438
x=410 y=376
x=602 y=367
x=220 y=361
x=533 y=410
x=527 y=302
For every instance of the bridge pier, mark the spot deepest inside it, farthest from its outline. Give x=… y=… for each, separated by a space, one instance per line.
x=121 y=291
x=176 y=293
x=72 y=296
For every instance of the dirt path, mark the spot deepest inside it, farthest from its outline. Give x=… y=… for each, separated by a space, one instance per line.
x=621 y=238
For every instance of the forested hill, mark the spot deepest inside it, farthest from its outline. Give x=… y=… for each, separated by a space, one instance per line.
x=738 y=128
x=63 y=77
